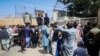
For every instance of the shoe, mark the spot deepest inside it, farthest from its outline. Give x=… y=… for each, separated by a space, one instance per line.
x=24 y=50
x=21 y=51
x=8 y=48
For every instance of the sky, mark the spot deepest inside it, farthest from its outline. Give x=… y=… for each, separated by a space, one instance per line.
x=7 y=7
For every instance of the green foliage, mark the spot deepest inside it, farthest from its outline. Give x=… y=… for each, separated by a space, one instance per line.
x=82 y=8
x=64 y=1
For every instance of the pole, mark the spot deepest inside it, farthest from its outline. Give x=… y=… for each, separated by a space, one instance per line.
x=35 y=12
x=24 y=9
x=15 y=11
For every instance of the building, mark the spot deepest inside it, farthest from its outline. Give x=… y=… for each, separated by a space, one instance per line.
x=62 y=18
x=59 y=14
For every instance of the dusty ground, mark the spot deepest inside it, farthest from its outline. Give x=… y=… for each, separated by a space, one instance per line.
x=29 y=52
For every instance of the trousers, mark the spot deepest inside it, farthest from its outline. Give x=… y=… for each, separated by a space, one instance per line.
x=28 y=40
x=54 y=47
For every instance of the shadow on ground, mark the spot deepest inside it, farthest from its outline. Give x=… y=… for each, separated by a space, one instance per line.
x=41 y=51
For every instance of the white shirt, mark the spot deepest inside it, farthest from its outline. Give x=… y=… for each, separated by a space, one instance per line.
x=27 y=18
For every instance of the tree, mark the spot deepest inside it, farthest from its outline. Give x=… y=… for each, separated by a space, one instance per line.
x=81 y=8
x=99 y=13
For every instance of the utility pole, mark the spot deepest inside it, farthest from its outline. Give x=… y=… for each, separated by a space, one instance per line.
x=24 y=9
x=35 y=12
x=15 y=11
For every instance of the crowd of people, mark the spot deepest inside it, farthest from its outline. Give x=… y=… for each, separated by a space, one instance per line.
x=71 y=39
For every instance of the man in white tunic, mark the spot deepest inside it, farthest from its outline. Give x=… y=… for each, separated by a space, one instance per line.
x=27 y=18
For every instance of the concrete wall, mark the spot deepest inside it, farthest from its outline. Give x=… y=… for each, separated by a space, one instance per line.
x=14 y=21
x=83 y=21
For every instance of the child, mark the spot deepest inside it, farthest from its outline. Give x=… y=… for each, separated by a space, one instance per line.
x=80 y=51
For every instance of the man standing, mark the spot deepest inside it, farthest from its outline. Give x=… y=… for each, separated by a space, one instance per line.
x=46 y=20
x=0 y=40
x=27 y=18
x=45 y=38
x=93 y=37
x=86 y=29
x=39 y=20
x=54 y=40
x=28 y=35
x=10 y=32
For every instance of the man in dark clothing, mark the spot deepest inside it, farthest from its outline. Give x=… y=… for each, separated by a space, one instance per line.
x=46 y=20
x=55 y=35
x=85 y=31
x=34 y=37
x=39 y=20
x=55 y=38
x=87 y=28
x=22 y=38
x=93 y=40
x=28 y=33
x=80 y=51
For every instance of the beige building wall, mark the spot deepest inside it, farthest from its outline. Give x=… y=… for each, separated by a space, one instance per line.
x=14 y=21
